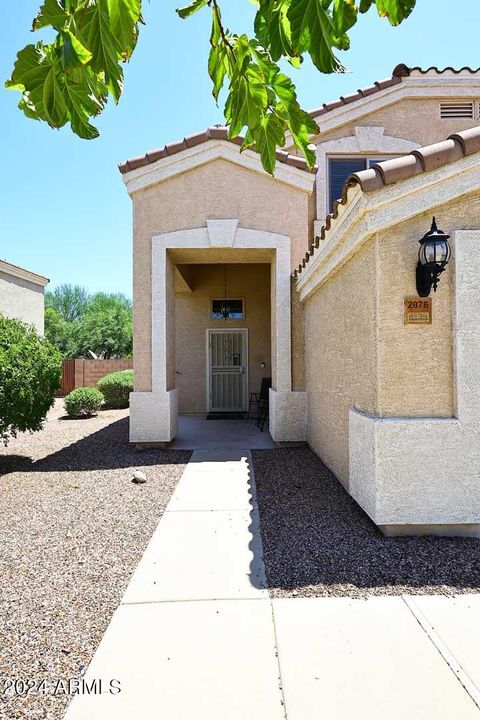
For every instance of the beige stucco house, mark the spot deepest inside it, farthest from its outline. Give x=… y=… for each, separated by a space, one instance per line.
x=22 y=295
x=389 y=399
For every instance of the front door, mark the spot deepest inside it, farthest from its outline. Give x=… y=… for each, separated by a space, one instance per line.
x=227 y=370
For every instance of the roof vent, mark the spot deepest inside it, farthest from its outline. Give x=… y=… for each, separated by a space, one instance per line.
x=456 y=110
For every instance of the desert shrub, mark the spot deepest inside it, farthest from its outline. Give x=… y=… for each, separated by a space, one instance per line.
x=83 y=402
x=116 y=388
x=30 y=371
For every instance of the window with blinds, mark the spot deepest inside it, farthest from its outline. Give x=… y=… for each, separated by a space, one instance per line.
x=338 y=172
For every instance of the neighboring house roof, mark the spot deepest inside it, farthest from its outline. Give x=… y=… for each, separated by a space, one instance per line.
x=16 y=271
x=399 y=72
x=425 y=159
x=216 y=132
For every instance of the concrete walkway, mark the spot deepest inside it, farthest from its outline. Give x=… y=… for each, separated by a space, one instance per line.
x=196 y=635
x=195 y=432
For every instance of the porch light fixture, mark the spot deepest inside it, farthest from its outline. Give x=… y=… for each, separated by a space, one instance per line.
x=225 y=309
x=433 y=256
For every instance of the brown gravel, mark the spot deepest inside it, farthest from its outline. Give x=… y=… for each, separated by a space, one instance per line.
x=73 y=528
x=319 y=542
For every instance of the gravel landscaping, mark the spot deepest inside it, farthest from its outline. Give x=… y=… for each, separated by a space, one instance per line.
x=318 y=542
x=73 y=528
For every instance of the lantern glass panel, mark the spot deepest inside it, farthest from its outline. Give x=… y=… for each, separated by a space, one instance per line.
x=434 y=252
x=427 y=253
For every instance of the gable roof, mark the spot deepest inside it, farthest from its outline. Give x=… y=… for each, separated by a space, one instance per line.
x=399 y=72
x=379 y=175
x=217 y=132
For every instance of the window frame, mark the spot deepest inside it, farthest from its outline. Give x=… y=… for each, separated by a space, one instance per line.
x=222 y=299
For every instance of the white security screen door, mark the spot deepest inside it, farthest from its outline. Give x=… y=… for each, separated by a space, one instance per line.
x=227 y=370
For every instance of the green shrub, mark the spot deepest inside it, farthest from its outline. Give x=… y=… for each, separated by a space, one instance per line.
x=116 y=388
x=83 y=402
x=30 y=371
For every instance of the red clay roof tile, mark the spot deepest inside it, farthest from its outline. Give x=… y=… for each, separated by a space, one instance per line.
x=211 y=133
x=399 y=72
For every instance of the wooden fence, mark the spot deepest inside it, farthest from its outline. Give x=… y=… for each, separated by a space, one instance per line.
x=87 y=373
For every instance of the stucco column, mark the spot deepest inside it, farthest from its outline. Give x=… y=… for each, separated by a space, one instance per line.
x=288 y=410
x=154 y=415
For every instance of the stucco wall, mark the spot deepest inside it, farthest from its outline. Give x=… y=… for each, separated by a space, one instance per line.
x=192 y=316
x=340 y=357
x=415 y=363
x=218 y=189
x=413 y=119
x=359 y=354
x=22 y=300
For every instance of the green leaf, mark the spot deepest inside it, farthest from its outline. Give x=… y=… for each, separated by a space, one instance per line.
x=269 y=135
x=220 y=58
x=51 y=13
x=85 y=96
x=217 y=68
x=189 y=10
x=272 y=27
x=313 y=32
x=365 y=5
x=344 y=16
x=36 y=74
x=73 y=53
x=124 y=17
x=53 y=100
x=395 y=10
x=95 y=34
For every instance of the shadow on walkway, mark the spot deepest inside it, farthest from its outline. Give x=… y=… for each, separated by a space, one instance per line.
x=318 y=541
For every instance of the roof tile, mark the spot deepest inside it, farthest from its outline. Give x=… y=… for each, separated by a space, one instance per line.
x=469 y=140
x=438 y=154
x=399 y=72
x=400 y=168
x=370 y=180
x=174 y=147
x=217 y=132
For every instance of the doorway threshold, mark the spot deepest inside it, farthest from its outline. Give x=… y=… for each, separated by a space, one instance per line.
x=227 y=416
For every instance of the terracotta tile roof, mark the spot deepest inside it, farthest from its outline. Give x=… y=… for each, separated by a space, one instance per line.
x=217 y=132
x=399 y=72
x=424 y=159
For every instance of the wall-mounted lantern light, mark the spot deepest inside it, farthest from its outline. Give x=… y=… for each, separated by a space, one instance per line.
x=433 y=256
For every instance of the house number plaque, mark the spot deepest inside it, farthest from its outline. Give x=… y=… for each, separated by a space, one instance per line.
x=417 y=311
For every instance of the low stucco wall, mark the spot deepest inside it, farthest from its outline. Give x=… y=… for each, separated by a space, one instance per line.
x=192 y=319
x=23 y=300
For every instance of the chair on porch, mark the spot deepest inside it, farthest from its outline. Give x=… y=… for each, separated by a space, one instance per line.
x=259 y=402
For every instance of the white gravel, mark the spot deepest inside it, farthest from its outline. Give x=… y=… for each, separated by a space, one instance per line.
x=317 y=541
x=73 y=528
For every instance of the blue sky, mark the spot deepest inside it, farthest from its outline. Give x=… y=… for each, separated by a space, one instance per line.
x=64 y=210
